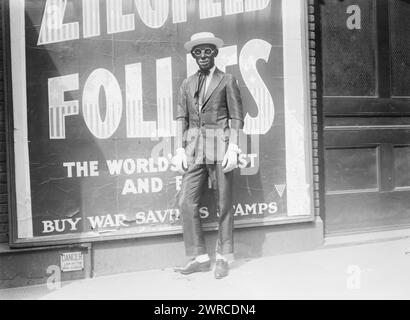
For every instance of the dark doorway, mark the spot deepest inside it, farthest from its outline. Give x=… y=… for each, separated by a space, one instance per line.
x=366 y=108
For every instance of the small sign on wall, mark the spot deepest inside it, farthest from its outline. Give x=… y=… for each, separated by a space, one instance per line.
x=71 y=261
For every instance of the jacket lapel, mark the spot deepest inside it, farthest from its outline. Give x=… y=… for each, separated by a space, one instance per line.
x=215 y=81
x=192 y=85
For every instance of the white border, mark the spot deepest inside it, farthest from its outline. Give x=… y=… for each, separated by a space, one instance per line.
x=21 y=156
x=297 y=124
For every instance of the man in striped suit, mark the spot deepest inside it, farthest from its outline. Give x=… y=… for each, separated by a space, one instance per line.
x=209 y=117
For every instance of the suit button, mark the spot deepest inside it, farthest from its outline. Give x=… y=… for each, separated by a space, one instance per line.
x=203 y=111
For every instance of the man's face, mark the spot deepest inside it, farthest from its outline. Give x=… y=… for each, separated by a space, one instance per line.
x=205 y=54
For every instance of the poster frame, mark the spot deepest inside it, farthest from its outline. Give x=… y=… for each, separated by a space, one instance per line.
x=15 y=194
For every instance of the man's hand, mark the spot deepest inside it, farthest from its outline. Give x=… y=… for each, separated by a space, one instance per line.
x=230 y=160
x=180 y=161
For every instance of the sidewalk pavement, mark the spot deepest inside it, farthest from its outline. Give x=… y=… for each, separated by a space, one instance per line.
x=368 y=271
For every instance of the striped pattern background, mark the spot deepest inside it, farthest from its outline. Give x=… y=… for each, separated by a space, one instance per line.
x=166 y=124
x=102 y=128
x=154 y=15
x=179 y=10
x=134 y=105
x=102 y=79
x=116 y=20
x=233 y=6
x=212 y=8
x=209 y=9
x=135 y=128
x=52 y=28
x=253 y=5
x=56 y=118
x=91 y=18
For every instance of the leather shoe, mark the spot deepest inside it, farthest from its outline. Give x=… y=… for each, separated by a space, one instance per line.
x=221 y=269
x=194 y=266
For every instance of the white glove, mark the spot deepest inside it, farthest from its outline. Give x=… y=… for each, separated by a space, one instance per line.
x=180 y=161
x=230 y=160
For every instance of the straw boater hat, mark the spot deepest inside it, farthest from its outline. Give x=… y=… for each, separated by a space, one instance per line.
x=203 y=38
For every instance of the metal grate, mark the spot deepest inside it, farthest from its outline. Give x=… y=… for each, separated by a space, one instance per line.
x=400 y=47
x=349 y=62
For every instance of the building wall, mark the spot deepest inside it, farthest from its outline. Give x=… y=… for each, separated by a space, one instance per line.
x=365 y=99
x=3 y=165
x=30 y=266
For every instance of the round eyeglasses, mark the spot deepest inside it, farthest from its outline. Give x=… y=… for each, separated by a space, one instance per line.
x=207 y=52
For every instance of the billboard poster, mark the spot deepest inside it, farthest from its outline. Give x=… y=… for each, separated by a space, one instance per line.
x=95 y=88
